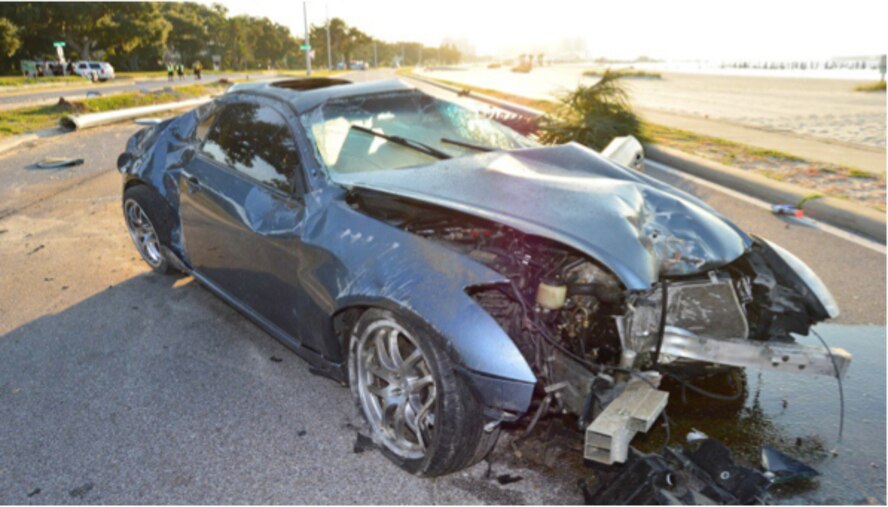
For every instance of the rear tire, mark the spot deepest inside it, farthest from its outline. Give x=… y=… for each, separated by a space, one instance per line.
x=445 y=437
x=150 y=223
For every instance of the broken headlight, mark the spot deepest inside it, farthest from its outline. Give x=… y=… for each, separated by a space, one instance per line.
x=809 y=277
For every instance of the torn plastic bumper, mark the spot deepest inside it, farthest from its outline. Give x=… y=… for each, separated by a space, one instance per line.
x=708 y=475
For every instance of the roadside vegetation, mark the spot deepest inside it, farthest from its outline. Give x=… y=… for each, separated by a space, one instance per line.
x=628 y=73
x=34 y=118
x=591 y=115
x=14 y=81
x=877 y=86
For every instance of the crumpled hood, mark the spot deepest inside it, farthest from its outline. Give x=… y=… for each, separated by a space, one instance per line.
x=638 y=227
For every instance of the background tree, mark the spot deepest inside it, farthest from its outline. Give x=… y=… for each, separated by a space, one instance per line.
x=142 y=35
x=9 y=38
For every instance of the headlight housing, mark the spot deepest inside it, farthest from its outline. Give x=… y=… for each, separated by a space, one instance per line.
x=809 y=277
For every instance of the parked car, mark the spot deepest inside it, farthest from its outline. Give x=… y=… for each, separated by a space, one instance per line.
x=454 y=273
x=95 y=71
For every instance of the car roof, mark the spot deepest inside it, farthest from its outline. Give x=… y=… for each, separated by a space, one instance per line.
x=307 y=93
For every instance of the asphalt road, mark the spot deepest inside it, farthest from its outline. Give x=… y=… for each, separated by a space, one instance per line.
x=121 y=386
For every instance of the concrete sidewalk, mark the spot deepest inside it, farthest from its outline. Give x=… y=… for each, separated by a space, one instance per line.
x=866 y=158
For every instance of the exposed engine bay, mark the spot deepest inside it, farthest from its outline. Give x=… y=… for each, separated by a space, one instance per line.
x=597 y=349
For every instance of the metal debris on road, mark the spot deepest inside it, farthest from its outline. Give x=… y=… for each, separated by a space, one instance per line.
x=788 y=210
x=362 y=443
x=508 y=479
x=58 y=162
x=696 y=435
x=781 y=468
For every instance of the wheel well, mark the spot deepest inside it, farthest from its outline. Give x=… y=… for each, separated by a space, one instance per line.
x=343 y=322
x=132 y=182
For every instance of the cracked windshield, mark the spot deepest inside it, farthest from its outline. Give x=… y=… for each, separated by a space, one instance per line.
x=398 y=130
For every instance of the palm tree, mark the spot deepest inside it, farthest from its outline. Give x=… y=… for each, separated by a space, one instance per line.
x=592 y=115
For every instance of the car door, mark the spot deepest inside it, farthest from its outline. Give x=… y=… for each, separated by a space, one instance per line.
x=241 y=210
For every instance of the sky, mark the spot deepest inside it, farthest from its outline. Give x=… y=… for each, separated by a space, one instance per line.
x=675 y=29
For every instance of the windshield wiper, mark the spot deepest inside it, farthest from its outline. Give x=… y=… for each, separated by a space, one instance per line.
x=416 y=145
x=470 y=146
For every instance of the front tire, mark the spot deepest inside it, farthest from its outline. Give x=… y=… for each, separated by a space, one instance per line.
x=149 y=222
x=421 y=414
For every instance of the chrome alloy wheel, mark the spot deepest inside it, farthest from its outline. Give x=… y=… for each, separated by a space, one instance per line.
x=142 y=232
x=396 y=388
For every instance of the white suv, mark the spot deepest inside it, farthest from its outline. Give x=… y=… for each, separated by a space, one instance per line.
x=96 y=71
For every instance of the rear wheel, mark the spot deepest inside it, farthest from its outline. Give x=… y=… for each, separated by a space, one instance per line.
x=421 y=414
x=149 y=222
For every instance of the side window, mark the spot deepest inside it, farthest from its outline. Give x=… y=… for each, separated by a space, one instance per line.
x=254 y=140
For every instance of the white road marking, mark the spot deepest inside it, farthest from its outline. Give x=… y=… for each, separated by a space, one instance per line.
x=835 y=231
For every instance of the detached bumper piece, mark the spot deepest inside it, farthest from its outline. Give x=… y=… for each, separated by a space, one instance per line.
x=633 y=411
x=707 y=476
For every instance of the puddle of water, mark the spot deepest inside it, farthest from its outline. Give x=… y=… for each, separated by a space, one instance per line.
x=799 y=414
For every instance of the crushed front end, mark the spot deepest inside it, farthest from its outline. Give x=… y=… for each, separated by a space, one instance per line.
x=600 y=350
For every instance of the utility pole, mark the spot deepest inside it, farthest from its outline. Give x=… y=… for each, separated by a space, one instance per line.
x=307 y=45
x=375 y=59
x=329 y=49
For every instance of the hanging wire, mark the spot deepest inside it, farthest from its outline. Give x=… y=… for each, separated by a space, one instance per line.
x=839 y=381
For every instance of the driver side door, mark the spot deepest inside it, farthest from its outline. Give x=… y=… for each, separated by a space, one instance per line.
x=242 y=213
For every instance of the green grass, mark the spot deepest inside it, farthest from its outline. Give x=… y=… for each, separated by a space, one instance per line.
x=626 y=73
x=16 y=81
x=30 y=119
x=877 y=86
x=860 y=174
x=728 y=151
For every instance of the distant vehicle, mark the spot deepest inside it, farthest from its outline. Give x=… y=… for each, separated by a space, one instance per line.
x=94 y=71
x=358 y=66
x=340 y=66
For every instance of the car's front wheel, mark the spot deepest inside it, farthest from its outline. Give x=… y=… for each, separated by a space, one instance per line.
x=421 y=413
x=149 y=223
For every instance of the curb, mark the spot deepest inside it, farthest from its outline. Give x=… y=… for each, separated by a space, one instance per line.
x=834 y=211
x=16 y=141
x=827 y=209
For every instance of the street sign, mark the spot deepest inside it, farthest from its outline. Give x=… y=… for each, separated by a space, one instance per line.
x=305 y=47
x=59 y=44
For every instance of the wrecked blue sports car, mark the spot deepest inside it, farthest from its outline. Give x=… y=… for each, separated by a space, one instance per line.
x=454 y=273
